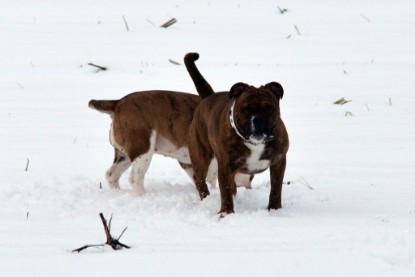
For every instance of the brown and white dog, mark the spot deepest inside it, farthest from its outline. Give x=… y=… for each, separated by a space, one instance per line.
x=144 y=123
x=242 y=129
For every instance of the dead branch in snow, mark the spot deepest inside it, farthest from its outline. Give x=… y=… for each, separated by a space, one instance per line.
x=111 y=241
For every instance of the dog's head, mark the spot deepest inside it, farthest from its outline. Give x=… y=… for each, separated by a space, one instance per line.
x=256 y=111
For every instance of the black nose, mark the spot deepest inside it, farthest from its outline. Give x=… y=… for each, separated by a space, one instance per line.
x=260 y=125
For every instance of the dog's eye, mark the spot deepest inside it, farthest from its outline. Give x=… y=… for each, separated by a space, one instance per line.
x=269 y=109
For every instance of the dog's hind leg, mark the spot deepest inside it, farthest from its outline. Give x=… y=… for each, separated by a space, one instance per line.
x=120 y=165
x=140 y=165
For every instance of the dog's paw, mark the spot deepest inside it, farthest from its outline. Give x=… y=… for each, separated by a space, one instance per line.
x=138 y=189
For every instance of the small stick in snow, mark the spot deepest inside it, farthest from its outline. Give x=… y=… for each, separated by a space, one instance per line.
x=341 y=101
x=97 y=66
x=111 y=241
x=151 y=22
x=20 y=85
x=367 y=19
x=126 y=24
x=298 y=31
x=174 y=62
x=282 y=11
x=288 y=36
x=27 y=165
x=367 y=107
x=390 y=101
x=304 y=182
x=27 y=215
x=100 y=185
x=169 y=23
x=348 y=113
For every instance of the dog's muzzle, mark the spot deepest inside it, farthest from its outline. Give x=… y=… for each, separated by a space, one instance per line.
x=259 y=132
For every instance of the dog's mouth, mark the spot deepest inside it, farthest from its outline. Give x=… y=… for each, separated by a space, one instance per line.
x=260 y=139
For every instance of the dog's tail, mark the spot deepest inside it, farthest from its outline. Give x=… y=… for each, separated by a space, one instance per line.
x=105 y=106
x=202 y=86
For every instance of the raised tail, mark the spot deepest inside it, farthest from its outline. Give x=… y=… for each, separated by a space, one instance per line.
x=105 y=106
x=202 y=86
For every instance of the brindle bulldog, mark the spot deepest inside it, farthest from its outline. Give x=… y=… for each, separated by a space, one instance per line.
x=243 y=130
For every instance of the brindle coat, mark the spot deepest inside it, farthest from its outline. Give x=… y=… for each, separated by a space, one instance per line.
x=211 y=135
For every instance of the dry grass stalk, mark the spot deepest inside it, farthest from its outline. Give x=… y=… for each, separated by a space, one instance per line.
x=27 y=165
x=342 y=101
x=174 y=62
x=169 y=23
x=282 y=11
x=298 y=31
x=126 y=24
x=97 y=66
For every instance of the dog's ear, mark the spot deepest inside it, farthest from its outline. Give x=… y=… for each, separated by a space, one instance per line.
x=276 y=88
x=237 y=89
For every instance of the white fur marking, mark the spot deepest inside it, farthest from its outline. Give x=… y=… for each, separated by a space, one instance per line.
x=140 y=166
x=164 y=147
x=212 y=174
x=114 y=173
x=253 y=162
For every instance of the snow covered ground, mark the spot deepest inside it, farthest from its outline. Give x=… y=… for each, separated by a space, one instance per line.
x=350 y=209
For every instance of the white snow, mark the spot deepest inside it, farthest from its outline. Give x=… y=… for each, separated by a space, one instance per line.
x=350 y=208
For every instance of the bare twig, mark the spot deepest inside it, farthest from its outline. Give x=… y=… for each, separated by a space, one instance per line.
x=348 y=114
x=27 y=165
x=20 y=85
x=87 y=246
x=390 y=101
x=27 y=215
x=298 y=31
x=97 y=66
x=304 y=182
x=169 y=23
x=126 y=24
x=367 y=107
x=122 y=233
x=114 y=243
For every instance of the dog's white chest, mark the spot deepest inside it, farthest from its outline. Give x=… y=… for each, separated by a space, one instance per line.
x=253 y=162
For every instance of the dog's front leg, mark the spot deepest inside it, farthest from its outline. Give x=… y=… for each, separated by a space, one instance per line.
x=227 y=189
x=277 y=171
